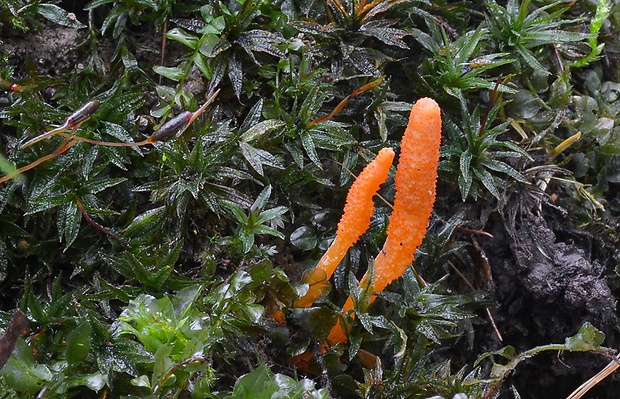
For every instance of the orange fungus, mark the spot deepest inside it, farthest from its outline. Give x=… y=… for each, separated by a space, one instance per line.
x=414 y=181
x=355 y=221
x=415 y=193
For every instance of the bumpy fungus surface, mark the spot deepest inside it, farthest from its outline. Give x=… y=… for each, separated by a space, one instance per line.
x=355 y=221
x=415 y=193
x=415 y=181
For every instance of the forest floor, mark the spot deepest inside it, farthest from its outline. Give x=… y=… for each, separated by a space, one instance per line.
x=524 y=266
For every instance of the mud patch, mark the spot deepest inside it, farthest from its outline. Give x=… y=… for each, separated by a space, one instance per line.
x=51 y=50
x=554 y=272
x=546 y=290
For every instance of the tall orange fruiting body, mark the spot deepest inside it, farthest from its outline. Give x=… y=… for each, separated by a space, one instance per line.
x=414 y=181
x=415 y=193
x=354 y=222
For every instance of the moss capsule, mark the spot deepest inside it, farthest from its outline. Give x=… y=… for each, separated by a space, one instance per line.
x=169 y=128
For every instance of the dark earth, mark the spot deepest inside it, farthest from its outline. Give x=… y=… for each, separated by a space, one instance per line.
x=547 y=282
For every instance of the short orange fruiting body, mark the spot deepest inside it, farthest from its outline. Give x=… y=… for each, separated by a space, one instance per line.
x=415 y=181
x=355 y=221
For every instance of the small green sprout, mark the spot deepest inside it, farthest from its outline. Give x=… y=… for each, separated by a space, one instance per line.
x=255 y=221
x=522 y=33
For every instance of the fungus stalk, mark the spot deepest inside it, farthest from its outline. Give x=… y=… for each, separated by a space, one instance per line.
x=355 y=221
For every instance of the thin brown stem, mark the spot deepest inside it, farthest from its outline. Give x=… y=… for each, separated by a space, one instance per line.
x=98 y=226
x=490 y=106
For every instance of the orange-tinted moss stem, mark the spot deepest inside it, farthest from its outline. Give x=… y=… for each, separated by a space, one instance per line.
x=62 y=148
x=344 y=102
